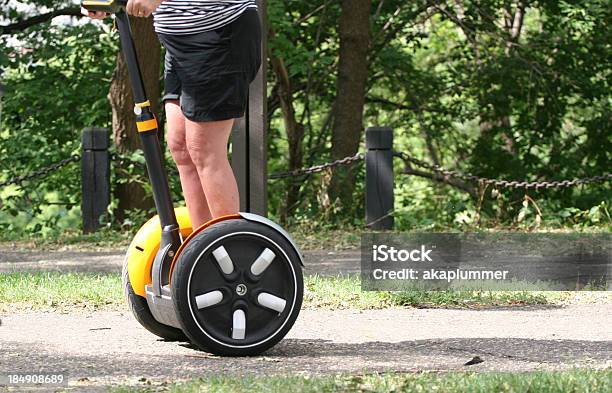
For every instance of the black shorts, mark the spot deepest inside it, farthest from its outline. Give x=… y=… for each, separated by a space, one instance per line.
x=210 y=72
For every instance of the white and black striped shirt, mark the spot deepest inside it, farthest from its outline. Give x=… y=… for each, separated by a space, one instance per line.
x=194 y=16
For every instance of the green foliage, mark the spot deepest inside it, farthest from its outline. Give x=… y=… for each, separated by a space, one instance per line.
x=530 y=109
x=459 y=86
x=56 y=79
x=461 y=90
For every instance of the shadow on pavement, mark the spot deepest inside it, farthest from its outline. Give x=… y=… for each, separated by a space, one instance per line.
x=304 y=356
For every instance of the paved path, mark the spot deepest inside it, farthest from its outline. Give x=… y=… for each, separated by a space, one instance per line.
x=104 y=348
x=109 y=348
x=321 y=262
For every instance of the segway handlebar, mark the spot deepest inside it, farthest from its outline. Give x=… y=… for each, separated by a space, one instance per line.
x=148 y=131
x=110 y=6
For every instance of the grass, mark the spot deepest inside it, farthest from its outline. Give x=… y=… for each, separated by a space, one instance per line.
x=74 y=291
x=326 y=239
x=317 y=237
x=575 y=381
x=345 y=292
x=308 y=237
x=60 y=291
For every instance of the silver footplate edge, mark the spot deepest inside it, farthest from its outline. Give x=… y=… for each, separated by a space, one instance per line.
x=162 y=307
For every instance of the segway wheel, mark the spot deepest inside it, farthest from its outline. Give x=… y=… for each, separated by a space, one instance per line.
x=140 y=309
x=237 y=288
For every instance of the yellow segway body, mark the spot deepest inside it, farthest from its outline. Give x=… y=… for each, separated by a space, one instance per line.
x=144 y=247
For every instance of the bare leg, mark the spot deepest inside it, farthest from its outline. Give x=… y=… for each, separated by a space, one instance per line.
x=207 y=146
x=190 y=181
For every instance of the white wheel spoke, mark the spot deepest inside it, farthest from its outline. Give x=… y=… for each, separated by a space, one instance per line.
x=209 y=299
x=272 y=302
x=224 y=260
x=239 y=325
x=262 y=262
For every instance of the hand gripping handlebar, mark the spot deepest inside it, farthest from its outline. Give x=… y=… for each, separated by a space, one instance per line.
x=110 y=6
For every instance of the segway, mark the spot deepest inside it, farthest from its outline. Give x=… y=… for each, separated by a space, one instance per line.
x=233 y=286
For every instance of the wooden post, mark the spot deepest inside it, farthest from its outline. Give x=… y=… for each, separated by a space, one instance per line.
x=379 y=178
x=249 y=144
x=95 y=176
x=240 y=161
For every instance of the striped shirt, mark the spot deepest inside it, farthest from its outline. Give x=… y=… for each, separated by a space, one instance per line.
x=178 y=17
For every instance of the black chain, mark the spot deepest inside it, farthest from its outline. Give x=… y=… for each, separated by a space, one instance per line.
x=422 y=164
x=42 y=172
x=278 y=175
x=503 y=183
x=318 y=168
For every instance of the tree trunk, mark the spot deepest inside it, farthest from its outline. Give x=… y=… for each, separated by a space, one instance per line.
x=131 y=195
x=294 y=129
x=354 y=33
x=513 y=24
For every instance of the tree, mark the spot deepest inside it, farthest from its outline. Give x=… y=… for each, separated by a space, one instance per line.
x=301 y=45
x=54 y=86
x=132 y=195
x=354 y=35
x=293 y=128
x=516 y=90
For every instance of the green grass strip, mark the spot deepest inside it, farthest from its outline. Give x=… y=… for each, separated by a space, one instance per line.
x=85 y=290
x=575 y=381
x=60 y=290
x=345 y=292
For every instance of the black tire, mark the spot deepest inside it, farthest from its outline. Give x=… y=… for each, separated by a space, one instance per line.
x=140 y=309
x=196 y=272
